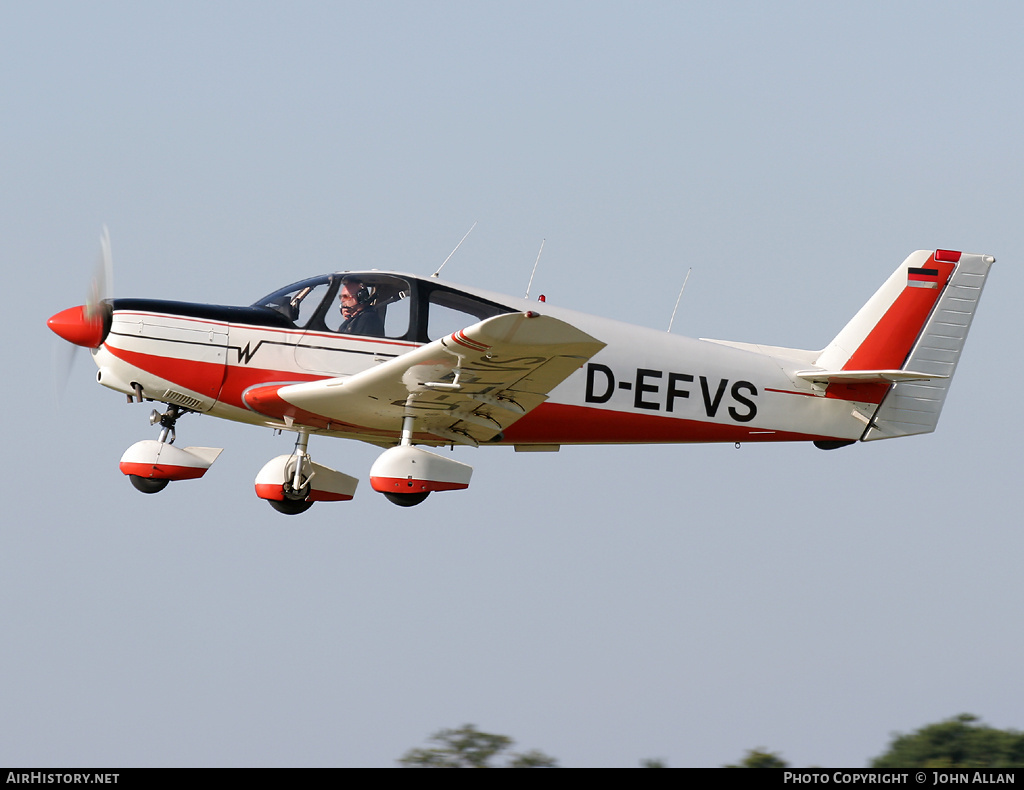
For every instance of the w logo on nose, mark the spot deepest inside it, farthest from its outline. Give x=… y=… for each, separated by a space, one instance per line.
x=246 y=354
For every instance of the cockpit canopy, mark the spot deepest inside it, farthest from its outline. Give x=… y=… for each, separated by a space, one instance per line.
x=406 y=308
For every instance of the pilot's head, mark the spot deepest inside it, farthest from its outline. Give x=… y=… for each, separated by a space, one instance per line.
x=354 y=297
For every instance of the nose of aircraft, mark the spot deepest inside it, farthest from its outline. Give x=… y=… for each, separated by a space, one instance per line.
x=76 y=327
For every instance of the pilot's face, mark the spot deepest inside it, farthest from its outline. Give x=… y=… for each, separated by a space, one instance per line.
x=347 y=296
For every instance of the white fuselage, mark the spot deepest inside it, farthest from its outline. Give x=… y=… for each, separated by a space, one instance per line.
x=644 y=386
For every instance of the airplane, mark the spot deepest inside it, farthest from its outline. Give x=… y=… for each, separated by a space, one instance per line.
x=438 y=365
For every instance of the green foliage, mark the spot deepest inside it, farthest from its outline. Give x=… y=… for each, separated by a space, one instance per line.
x=468 y=747
x=532 y=759
x=759 y=758
x=960 y=742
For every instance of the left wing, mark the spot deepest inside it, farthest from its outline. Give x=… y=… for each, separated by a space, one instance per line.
x=464 y=388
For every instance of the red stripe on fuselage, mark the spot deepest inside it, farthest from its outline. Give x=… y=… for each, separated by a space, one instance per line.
x=559 y=423
x=205 y=378
x=195 y=376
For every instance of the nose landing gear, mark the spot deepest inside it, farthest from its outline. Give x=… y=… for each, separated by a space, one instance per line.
x=152 y=464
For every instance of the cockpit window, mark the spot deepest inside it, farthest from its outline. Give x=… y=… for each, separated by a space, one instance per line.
x=381 y=309
x=371 y=305
x=450 y=311
x=299 y=302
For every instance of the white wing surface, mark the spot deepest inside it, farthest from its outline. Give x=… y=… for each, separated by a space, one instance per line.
x=464 y=388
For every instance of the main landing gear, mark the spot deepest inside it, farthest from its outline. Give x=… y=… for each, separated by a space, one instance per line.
x=298 y=474
x=292 y=483
x=152 y=464
x=406 y=475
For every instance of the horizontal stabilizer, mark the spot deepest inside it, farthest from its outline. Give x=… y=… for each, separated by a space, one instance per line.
x=826 y=377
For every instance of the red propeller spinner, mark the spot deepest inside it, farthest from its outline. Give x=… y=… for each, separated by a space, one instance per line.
x=77 y=326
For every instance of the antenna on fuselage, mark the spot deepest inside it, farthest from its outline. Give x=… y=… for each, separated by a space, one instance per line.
x=435 y=274
x=685 y=280
x=530 y=284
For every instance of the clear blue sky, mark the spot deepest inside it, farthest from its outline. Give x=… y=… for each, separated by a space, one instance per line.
x=604 y=605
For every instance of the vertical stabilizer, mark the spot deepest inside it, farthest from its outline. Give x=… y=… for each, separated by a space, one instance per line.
x=900 y=350
x=912 y=407
x=885 y=329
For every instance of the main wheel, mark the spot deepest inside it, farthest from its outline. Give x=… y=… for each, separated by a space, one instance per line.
x=290 y=507
x=406 y=500
x=148 y=485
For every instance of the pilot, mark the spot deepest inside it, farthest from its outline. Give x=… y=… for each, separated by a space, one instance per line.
x=360 y=317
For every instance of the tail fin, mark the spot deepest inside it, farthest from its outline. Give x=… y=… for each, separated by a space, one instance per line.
x=901 y=349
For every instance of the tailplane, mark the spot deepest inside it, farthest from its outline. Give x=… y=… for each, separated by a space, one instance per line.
x=901 y=349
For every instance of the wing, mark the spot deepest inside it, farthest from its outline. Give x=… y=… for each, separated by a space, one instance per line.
x=465 y=388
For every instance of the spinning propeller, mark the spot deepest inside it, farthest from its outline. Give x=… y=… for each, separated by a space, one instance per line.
x=85 y=325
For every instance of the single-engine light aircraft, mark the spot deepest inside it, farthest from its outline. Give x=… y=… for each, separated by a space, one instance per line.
x=407 y=362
